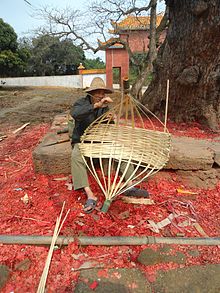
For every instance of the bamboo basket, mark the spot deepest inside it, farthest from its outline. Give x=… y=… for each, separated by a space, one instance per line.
x=121 y=137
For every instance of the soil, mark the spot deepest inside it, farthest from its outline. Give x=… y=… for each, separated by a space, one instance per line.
x=34 y=105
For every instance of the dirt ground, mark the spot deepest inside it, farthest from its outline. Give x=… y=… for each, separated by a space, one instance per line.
x=34 y=105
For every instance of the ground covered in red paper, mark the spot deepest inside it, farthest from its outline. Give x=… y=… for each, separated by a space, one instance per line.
x=45 y=199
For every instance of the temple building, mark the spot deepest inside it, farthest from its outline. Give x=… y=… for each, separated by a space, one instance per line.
x=135 y=31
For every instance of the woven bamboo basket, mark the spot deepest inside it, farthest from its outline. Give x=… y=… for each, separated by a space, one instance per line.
x=124 y=136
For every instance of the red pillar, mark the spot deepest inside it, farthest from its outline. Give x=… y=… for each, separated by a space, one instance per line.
x=116 y=57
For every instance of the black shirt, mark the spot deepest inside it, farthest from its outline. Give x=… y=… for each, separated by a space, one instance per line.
x=84 y=114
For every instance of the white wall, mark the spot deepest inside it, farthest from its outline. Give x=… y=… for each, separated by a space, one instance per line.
x=87 y=78
x=74 y=81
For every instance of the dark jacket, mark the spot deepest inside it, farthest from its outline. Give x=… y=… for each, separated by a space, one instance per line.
x=84 y=114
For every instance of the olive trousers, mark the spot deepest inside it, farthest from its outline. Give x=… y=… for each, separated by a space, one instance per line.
x=79 y=169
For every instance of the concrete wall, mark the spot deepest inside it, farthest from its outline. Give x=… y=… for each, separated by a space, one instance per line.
x=74 y=81
x=87 y=79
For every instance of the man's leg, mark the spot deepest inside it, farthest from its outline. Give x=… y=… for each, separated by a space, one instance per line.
x=80 y=177
x=78 y=169
x=128 y=173
x=133 y=191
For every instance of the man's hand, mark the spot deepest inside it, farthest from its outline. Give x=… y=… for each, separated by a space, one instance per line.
x=111 y=116
x=103 y=103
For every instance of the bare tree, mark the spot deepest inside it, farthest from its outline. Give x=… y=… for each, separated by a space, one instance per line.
x=96 y=21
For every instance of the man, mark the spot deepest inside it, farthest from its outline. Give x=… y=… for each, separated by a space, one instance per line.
x=85 y=111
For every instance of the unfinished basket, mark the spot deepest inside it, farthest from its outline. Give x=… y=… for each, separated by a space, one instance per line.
x=123 y=137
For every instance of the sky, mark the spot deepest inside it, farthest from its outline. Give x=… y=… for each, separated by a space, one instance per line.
x=19 y=15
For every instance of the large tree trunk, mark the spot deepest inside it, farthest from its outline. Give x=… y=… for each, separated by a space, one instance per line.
x=190 y=59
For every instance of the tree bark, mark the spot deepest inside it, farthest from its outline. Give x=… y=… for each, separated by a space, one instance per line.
x=190 y=59
x=151 y=56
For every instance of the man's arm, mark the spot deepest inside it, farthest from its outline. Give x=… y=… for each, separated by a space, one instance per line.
x=103 y=103
x=81 y=109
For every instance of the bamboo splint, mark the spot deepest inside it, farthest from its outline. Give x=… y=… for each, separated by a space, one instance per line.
x=125 y=136
x=58 y=227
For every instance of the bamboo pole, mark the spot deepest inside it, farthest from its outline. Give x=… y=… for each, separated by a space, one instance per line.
x=166 y=109
x=107 y=241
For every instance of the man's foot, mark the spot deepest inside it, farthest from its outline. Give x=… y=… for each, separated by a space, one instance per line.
x=136 y=192
x=90 y=205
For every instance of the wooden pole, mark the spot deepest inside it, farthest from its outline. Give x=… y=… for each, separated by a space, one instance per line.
x=166 y=108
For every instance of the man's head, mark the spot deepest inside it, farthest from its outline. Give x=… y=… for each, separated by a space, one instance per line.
x=97 y=95
x=97 y=91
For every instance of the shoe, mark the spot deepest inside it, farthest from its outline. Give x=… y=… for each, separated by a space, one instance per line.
x=136 y=192
x=90 y=203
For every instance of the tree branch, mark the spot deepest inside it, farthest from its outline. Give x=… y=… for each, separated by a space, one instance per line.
x=138 y=10
x=164 y=21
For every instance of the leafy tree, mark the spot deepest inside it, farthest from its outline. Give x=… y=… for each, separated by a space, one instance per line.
x=8 y=37
x=52 y=56
x=13 y=60
x=94 y=63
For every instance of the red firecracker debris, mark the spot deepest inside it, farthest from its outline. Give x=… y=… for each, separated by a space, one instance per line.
x=45 y=198
x=94 y=285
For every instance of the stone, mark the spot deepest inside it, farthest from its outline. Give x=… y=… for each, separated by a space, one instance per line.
x=217 y=156
x=194 y=253
x=4 y=275
x=54 y=159
x=199 y=179
x=23 y=265
x=113 y=281
x=150 y=257
x=201 y=279
x=190 y=154
x=165 y=248
x=196 y=161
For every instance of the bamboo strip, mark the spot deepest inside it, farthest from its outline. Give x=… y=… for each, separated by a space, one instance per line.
x=166 y=108
x=58 y=227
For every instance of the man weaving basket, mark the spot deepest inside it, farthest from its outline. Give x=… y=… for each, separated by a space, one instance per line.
x=85 y=111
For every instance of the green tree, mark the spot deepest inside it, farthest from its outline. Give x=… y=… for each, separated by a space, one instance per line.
x=8 y=37
x=52 y=56
x=94 y=63
x=13 y=59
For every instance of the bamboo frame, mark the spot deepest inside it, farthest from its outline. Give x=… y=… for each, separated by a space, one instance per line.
x=125 y=141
